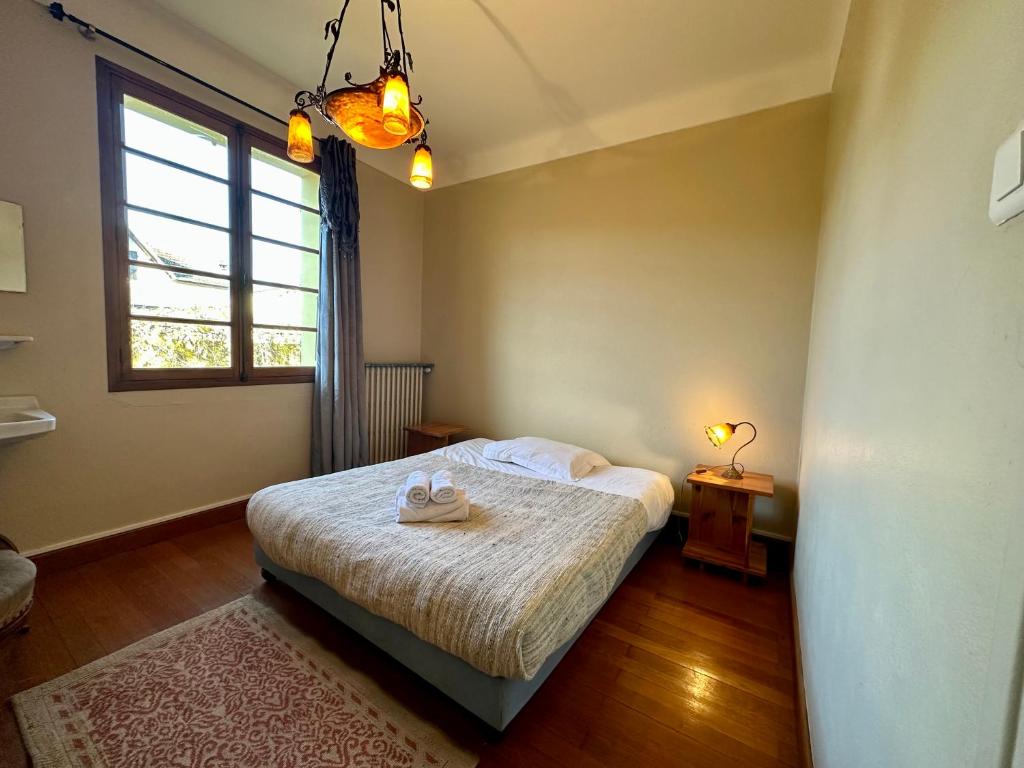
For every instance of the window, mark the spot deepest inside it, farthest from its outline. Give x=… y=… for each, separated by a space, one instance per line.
x=211 y=244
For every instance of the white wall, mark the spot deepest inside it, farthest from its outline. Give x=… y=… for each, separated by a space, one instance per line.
x=120 y=459
x=624 y=298
x=908 y=572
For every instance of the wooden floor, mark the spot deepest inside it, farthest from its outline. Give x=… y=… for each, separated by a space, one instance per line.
x=681 y=667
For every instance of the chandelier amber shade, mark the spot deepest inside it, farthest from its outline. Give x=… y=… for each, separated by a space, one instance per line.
x=300 y=137
x=357 y=111
x=422 y=174
x=395 y=105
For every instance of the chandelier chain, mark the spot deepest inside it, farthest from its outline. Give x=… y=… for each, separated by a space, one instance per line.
x=406 y=56
x=332 y=27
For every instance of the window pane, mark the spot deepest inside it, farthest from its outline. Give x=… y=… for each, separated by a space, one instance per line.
x=276 y=349
x=164 y=134
x=280 y=306
x=284 y=179
x=277 y=264
x=286 y=223
x=157 y=240
x=180 y=345
x=161 y=293
x=162 y=188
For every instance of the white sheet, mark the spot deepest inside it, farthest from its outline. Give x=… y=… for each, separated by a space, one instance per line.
x=652 y=489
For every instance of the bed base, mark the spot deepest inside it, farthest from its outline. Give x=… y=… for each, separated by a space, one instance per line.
x=494 y=700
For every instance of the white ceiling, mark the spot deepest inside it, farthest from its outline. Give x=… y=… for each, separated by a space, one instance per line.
x=510 y=83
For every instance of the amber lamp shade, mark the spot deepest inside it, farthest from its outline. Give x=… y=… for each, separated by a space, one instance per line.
x=300 y=137
x=720 y=433
x=422 y=174
x=395 y=106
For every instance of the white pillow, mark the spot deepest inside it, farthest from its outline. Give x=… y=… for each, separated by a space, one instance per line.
x=546 y=457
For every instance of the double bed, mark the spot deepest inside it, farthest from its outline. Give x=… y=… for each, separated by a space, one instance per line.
x=483 y=609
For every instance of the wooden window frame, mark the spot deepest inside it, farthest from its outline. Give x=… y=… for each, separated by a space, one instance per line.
x=112 y=84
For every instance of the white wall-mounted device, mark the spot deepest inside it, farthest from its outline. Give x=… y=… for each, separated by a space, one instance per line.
x=1007 y=198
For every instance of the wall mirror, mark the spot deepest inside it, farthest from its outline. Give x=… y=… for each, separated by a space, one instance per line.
x=12 y=248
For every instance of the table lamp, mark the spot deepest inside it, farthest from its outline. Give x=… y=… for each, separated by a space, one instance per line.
x=719 y=434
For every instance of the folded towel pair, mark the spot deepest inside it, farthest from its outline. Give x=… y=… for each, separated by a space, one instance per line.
x=453 y=512
x=420 y=489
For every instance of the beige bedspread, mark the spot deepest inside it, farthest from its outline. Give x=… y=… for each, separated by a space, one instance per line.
x=501 y=591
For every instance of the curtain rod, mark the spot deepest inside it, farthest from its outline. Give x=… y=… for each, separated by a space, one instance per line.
x=89 y=30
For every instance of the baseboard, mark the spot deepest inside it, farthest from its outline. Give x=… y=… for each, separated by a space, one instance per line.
x=81 y=552
x=803 y=733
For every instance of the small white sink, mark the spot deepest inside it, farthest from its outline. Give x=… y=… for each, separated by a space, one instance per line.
x=21 y=417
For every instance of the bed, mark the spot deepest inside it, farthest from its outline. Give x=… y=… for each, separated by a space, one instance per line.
x=483 y=610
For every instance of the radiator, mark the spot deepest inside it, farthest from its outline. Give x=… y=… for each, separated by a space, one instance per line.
x=394 y=400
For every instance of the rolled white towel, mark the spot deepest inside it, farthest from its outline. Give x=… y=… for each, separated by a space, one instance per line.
x=457 y=511
x=442 y=487
x=416 y=490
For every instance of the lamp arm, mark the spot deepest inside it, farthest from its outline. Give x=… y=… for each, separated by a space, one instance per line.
x=752 y=439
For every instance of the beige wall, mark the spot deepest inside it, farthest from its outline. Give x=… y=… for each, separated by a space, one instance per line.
x=909 y=567
x=122 y=459
x=624 y=298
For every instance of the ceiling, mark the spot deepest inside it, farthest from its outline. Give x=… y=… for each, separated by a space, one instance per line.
x=511 y=83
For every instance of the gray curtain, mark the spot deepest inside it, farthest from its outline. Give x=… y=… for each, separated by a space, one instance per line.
x=339 y=388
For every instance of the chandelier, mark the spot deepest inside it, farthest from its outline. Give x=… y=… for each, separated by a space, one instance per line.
x=379 y=114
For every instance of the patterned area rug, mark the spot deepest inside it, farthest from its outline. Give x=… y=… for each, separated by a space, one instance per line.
x=237 y=686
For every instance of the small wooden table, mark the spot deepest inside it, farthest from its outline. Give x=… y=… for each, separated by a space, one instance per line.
x=420 y=438
x=721 y=518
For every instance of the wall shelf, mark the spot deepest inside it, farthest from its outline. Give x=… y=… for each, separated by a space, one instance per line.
x=9 y=342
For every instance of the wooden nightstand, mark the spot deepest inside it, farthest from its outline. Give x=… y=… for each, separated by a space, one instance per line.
x=721 y=517
x=421 y=438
